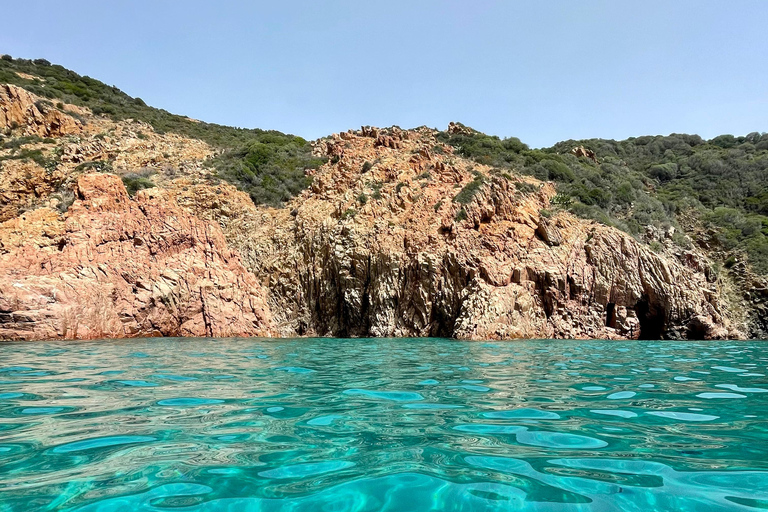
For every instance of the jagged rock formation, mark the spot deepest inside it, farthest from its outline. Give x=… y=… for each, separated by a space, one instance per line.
x=23 y=183
x=386 y=253
x=22 y=110
x=117 y=267
x=397 y=236
x=581 y=151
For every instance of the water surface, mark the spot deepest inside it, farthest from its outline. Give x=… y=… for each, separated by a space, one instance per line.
x=369 y=425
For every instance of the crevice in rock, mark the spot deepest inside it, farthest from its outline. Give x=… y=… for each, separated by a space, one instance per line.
x=652 y=319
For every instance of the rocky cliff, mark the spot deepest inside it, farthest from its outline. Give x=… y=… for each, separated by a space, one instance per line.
x=397 y=236
x=120 y=267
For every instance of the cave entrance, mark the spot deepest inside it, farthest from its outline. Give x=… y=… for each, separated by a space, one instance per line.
x=652 y=320
x=610 y=315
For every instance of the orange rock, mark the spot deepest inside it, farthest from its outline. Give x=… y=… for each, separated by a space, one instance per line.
x=387 y=252
x=118 y=267
x=407 y=263
x=23 y=111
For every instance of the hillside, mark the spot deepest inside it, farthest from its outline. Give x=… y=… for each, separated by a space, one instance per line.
x=719 y=186
x=383 y=232
x=265 y=163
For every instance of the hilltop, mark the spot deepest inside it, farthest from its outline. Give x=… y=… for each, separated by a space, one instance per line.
x=119 y=219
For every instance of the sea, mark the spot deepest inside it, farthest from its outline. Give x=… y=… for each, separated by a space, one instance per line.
x=353 y=425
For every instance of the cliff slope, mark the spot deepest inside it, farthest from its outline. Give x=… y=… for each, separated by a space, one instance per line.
x=112 y=228
x=400 y=237
x=120 y=267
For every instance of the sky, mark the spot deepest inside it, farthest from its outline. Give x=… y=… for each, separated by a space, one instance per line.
x=543 y=71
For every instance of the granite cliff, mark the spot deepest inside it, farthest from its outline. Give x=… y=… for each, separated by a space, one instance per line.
x=112 y=228
x=397 y=236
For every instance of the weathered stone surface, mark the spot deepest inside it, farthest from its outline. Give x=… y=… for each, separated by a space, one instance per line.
x=548 y=232
x=42 y=172
x=117 y=267
x=23 y=112
x=22 y=184
x=404 y=264
x=408 y=260
x=581 y=151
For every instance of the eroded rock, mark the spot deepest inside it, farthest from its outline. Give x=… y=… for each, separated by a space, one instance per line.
x=23 y=112
x=118 y=267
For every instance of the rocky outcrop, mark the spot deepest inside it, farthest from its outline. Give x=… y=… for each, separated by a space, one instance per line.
x=749 y=293
x=25 y=113
x=23 y=183
x=36 y=172
x=113 y=266
x=397 y=236
x=458 y=128
x=393 y=252
x=581 y=151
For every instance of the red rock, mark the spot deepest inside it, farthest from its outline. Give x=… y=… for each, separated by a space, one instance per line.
x=22 y=111
x=120 y=267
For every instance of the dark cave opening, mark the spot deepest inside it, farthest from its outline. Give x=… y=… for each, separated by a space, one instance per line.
x=652 y=320
x=610 y=315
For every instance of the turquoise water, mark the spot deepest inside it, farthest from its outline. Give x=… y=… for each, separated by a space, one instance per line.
x=359 y=425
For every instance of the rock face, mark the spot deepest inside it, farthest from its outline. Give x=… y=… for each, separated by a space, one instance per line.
x=386 y=249
x=22 y=184
x=24 y=112
x=40 y=171
x=117 y=267
x=581 y=151
x=397 y=236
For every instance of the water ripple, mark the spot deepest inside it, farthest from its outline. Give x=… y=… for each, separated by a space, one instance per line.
x=358 y=425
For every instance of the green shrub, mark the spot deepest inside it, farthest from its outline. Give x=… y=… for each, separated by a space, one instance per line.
x=526 y=188
x=17 y=142
x=95 y=166
x=558 y=171
x=561 y=200
x=376 y=186
x=34 y=155
x=663 y=172
x=270 y=175
x=470 y=189
x=135 y=183
x=271 y=169
x=485 y=149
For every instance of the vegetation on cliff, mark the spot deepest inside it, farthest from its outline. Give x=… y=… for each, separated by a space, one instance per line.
x=716 y=189
x=719 y=187
x=267 y=164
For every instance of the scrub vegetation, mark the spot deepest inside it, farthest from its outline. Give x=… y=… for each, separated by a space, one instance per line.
x=719 y=186
x=267 y=164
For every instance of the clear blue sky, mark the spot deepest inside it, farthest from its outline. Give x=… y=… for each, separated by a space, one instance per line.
x=543 y=71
